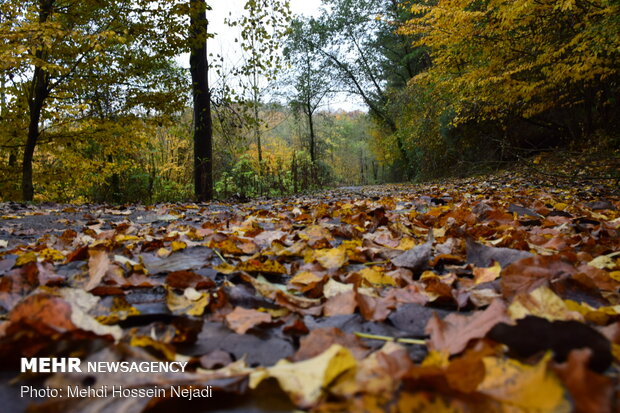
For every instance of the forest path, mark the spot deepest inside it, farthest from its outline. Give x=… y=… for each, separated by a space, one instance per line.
x=322 y=280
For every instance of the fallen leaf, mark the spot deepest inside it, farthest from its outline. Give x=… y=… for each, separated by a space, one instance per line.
x=340 y=304
x=542 y=302
x=532 y=335
x=332 y=258
x=483 y=256
x=487 y=274
x=333 y=288
x=321 y=339
x=524 y=387
x=417 y=257
x=530 y=273
x=241 y=319
x=306 y=380
x=190 y=302
x=591 y=392
x=453 y=333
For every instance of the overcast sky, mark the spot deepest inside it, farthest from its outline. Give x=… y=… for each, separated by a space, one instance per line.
x=223 y=43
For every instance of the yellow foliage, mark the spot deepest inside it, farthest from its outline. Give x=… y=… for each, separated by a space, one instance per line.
x=521 y=57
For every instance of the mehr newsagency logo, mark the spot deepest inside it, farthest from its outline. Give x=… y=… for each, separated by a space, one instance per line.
x=75 y=365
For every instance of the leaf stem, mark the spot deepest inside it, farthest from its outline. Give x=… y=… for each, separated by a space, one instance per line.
x=220 y=256
x=375 y=263
x=388 y=338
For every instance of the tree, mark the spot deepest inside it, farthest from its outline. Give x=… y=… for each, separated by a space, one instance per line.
x=203 y=124
x=262 y=31
x=357 y=41
x=310 y=77
x=54 y=52
x=552 y=63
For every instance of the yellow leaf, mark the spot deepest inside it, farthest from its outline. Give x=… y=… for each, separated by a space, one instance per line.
x=604 y=261
x=305 y=381
x=163 y=253
x=598 y=315
x=145 y=341
x=406 y=244
x=560 y=206
x=483 y=275
x=50 y=254
x=225 y=268
x=436 y=358
x=377 y=277
x=332 y=288
x=191 y=302
x=123 y=237
x=524 y=387
x=26 y=258
x=305 y=278
x=332 y=258
x=542 y=302
x=178 y=245
x=269 y=266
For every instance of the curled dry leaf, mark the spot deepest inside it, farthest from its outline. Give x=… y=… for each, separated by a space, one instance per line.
x=190 y=302
x=98 y=264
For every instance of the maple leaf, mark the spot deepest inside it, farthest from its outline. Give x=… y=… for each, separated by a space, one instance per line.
x=453 y=333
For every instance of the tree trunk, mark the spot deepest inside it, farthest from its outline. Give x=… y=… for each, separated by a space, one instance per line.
x=312 y=138
x=203 y=125
x=38 y=93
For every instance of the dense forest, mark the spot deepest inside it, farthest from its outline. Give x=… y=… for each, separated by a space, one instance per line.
x=95 y=106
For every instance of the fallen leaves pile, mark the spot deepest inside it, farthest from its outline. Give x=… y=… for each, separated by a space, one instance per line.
x=492 y=294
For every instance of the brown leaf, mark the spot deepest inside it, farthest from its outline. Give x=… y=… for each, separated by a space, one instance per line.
x=528 y=274
x=186 y=279
x=98 y=264
x=321 y=339
x=340 y=304
x=241 y=319
x=591 y=392
x=374 y=308
x=453 y=333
